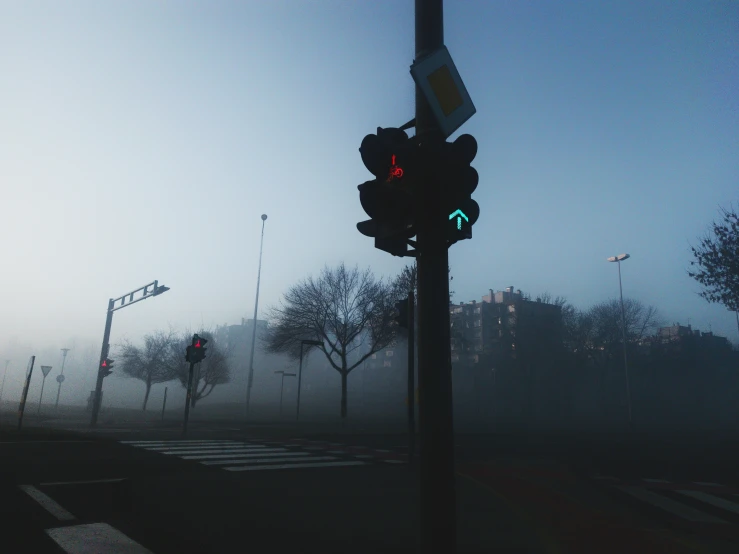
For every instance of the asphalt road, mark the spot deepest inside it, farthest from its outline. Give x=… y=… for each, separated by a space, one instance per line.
x=342 y=491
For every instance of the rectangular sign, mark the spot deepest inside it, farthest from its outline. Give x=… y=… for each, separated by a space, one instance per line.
x=439 y=81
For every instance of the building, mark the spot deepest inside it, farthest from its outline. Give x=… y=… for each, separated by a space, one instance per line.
x=503 y=325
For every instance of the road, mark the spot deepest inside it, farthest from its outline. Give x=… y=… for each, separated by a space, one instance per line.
x=228 y=488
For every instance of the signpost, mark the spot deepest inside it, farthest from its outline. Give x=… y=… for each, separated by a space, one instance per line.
x=22 y=407
x=45 y=369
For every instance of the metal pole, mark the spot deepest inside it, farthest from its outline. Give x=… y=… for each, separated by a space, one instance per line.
x=164 y=404
x=40 y=398
x=2 y=388
x=59 y=390
x=623 y=333
x=24 y=396
x=411 y=379
x=437 y=481
x=254 y=331
x=187 y=400
x=282 y=385
x=300 y=376
x=103 y=355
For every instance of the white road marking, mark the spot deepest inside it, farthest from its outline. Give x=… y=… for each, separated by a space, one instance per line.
x=247 y=455
x=669 y=505
x=266 y=460
x=83 y=482
x=713 y=500
x=93 y=538
x=49 y=504
x=174 y=443
x=293 y=466
x=208 y=451
x=203 y=447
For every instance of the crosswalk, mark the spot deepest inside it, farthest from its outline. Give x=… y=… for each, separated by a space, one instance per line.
x=232 y=455
x=697 y=502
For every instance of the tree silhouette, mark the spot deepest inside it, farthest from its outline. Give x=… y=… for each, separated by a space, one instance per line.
x=340 y=308
x=717 y=262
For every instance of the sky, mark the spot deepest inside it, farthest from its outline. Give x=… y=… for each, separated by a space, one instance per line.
x=143 y=140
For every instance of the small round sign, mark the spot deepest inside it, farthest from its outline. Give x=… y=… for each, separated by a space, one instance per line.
x=60 y=378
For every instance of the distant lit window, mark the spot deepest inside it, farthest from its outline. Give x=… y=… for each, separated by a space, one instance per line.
x=511 y=308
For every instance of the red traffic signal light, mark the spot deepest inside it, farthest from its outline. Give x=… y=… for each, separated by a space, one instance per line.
x=106 y=367
x=196 y=351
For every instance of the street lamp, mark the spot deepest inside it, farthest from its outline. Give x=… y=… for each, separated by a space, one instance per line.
x=282 y=385
x=300 y=370
x=254 y=330
x=152 y=289
x=618 y=259
x=60 y=377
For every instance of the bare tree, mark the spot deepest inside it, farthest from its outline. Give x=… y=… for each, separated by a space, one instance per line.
x=717 y=261
x=214 y=370
x=148 y=363
x=340 y=308
x=640 y=321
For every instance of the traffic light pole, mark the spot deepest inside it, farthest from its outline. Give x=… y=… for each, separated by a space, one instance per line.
x=436 y=469
x=411 y=380
x=103 y=355
x=189 y=396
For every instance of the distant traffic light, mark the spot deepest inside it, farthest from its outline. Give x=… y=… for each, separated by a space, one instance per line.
x=460 y=180
x=106 y=367
x=393 y=159
x=401 y=306
x=197 y=349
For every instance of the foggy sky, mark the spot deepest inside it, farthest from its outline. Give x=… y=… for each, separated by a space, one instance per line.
x=143 y=140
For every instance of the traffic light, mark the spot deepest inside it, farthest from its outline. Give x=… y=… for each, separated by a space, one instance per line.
x=401 y=306
x=460 y=180
x=106 y=367
x=387 y=199
x=197 y=351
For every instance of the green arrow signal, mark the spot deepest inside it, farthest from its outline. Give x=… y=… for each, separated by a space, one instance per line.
x=459 y=214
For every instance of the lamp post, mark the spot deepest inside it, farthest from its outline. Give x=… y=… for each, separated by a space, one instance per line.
x=282 y=385
x=60 y=377
x=156 y=290
x=254 y=330
x=618 y=259
x=300 y=369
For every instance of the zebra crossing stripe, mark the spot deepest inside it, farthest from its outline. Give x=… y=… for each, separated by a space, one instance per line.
x=243 y=454
x=207 y=451
x=293 y=466
x=203 y=447
x=671 y=506
x=182 y=442
x=239 y=461
x=712 y=500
